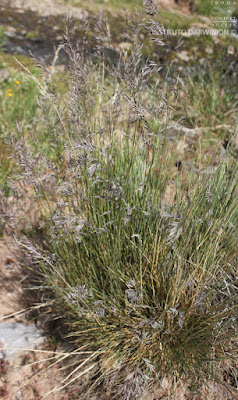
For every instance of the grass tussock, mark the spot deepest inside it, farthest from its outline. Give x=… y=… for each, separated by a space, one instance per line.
x=144 y=288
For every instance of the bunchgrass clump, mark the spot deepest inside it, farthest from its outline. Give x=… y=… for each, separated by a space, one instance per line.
x=142 y=286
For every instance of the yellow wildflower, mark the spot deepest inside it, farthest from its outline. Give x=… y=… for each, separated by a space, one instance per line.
x=10 y=94
x=10 y=90
x=17 y=82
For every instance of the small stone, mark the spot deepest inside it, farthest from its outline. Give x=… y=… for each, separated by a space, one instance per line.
x=234 y=145
x=183 y=55
x=165 y=383
x=209 y=50
x=19 y=10
x=181 y=146
x=18 y=50
x=17 y=336
x=202 y=61
x=125 y=46
x=230 y=49
x=10 y=31
x=4 y=75
x=176 y=131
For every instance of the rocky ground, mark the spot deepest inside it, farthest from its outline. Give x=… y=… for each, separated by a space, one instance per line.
x=46 y=7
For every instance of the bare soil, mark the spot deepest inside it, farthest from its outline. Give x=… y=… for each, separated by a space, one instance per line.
x=24 y=377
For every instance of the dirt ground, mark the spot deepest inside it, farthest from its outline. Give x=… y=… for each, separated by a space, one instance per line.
x=24 y=377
